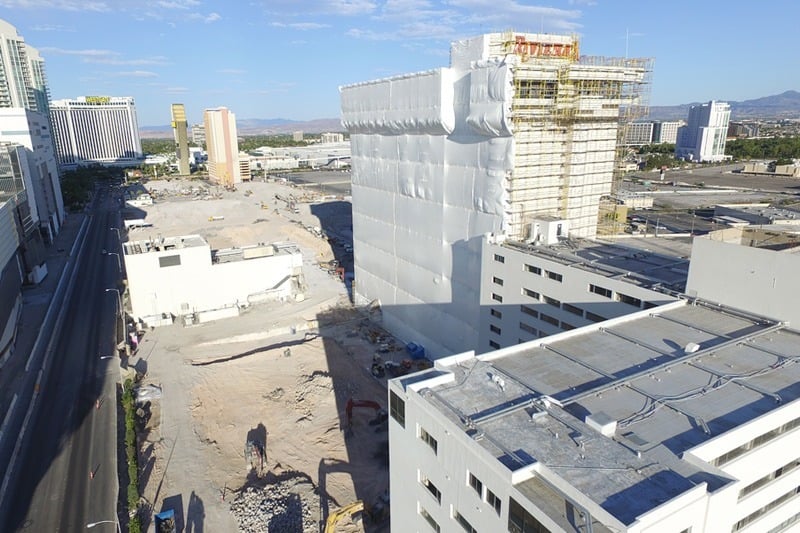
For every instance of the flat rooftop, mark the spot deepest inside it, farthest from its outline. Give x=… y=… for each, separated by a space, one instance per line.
x=769 y=237
x=642 y=267
x=163 y=244
x=775 y=214
x=671 y=378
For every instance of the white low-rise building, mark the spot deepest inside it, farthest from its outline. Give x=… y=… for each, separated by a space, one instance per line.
x=184 y=277
x=684 y=417
x=529 y=292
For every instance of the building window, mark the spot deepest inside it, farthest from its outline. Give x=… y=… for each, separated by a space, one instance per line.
x=463 y=523
x=555 y=276
x=569 y=308
x=497 y=281
x=423 y=479
x=529 y=311
x=494 y=501
x=499 y=258
x=755 y=485
x=566 y=327
x=630 y=300
x=530 y=293
x=397 y=408
x=429 y=440
x=476 y=484
x=756 y=442
x=494 y=329
x=547 y=318
x=521 y=521
x=529 y=329
x=495 y=313
x=169 y=261
x=494 y=345
x=497 y=298
x=552 y=301
x=429 y=519
x=533 y=270
x=752 y=517
x=602 y=291
x=594 y=317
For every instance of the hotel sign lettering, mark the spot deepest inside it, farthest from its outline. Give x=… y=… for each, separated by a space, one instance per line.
x=537 y=49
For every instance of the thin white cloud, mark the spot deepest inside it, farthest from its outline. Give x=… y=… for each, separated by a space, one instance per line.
x=231 y=71
x=288 y=8
x=509 y=13
x=208 y=19
x=104 y=57
x=136 y=74
x=65 y=5
x=302 y=26
x=582 y=2
x=53 y=27
x=418 y=20
x=177 y=90
x=155 y=61
x=177 y=4
x=88 y=52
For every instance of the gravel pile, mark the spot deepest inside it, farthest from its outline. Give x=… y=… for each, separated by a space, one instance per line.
x=289 y=506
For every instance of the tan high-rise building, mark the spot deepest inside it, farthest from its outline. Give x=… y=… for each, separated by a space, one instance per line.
x=181 y=138
x=222 y=146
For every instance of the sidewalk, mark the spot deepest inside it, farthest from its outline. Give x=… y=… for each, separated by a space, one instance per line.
x=35 y=303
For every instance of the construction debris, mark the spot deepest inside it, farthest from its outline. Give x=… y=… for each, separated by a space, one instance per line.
x=288 y=506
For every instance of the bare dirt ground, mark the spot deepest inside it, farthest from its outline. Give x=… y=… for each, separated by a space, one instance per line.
x=262 y=376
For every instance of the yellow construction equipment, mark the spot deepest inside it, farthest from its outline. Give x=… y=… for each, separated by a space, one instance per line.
x=338 y=514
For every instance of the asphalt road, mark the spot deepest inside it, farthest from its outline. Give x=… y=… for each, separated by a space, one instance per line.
x=67 y=472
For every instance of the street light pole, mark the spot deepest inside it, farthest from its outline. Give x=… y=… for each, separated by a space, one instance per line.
x=119 y=298
x=118 y=236
x=119 y=261
x=92 y=524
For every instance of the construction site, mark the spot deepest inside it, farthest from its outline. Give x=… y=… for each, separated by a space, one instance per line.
x=517 y=134
x=274 y=420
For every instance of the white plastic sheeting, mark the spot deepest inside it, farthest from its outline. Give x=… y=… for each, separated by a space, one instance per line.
x=431 y=157
x=420 y=103
x=491 y=91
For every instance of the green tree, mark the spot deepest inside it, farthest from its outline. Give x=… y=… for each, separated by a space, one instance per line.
x=773 y=148
x=158 y=146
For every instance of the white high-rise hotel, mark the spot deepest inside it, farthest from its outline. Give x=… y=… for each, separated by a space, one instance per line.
x=518 y=130
x=96 y=130
x=22 y=78
x=703 y=137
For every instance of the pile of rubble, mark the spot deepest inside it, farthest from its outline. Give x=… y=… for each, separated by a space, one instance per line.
x=288 y=506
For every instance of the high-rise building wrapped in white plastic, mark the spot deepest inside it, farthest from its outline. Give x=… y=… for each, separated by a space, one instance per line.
x=517 y=129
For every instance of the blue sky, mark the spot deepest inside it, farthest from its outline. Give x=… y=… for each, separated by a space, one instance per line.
x=287 y=58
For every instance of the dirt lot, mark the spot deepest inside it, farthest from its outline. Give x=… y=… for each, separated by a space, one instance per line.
x=265 y=376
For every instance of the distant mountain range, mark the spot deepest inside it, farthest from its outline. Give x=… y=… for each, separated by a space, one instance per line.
x=784 y=105
x=260 y=126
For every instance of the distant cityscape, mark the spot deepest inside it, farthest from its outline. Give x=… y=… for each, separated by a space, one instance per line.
x=567 y=310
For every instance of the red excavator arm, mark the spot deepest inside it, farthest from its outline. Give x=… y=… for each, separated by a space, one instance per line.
x=351 y=403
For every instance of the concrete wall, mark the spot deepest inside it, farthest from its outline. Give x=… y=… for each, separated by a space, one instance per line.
x=198 y=285
x=759 y=280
